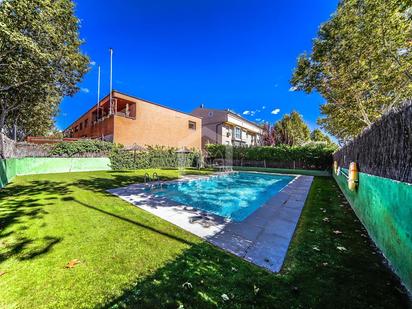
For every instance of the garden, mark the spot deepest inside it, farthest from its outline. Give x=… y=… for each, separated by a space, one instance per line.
x=65 y=241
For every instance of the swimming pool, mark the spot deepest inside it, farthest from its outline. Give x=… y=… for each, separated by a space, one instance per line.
x=234 y=196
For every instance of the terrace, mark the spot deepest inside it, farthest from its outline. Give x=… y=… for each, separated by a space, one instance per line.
x=119 y=107
x=99 y=121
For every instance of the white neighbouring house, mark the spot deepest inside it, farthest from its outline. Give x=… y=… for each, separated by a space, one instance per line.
x=227 y=128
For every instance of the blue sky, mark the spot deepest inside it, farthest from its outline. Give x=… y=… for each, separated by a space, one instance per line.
x=223 y=53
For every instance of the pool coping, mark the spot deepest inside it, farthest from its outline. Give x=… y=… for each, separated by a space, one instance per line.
x=262 y=238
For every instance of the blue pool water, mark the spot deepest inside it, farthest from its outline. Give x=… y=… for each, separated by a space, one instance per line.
x=234 y=196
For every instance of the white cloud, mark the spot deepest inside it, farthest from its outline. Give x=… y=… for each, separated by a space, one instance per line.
x=85 y=90
x=293 y=88
x=275 y=111
x=263 y=107
x=252 y=113
x=92 y=63
x=258 y=119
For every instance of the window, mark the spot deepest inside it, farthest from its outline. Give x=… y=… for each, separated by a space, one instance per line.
x=81 y=126
x=210 y=114
x=238 y=133
x=192 y=125
x=86 y=122
x=76 y=128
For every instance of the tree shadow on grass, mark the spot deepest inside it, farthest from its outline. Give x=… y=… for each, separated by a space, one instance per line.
x=202 y=277
x=21 y=206
x=69 y=198
x=205 y=277
x=102 y=184
x=27 y=249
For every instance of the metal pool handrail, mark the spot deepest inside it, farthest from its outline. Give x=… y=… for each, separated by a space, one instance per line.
x=146 y=177
x=155 y=177
x=345 y=174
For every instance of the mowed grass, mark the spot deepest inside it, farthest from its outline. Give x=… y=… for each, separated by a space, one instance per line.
x=130 y=258
x=283 y=171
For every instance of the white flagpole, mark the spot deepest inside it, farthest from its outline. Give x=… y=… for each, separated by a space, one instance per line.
x=111 y=80
x=98 y=86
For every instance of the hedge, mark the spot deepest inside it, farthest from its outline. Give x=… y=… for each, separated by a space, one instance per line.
x=316 y=155
x=153 y=157
x=81 y=147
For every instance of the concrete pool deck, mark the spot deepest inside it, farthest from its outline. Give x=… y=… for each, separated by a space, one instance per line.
x=263 y=238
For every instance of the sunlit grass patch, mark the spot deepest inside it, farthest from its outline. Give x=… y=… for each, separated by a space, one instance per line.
x=123 y=256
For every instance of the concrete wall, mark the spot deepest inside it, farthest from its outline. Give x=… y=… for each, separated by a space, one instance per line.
x=10 y=168
x=7 y=171
x=11 y=149
x=7 y=147
x=227 y=132
x=384 y=206
x=211 y=134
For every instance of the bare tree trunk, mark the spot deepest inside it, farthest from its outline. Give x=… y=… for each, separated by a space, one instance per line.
x=15 y=131
x=3 y=115
x=1 y=147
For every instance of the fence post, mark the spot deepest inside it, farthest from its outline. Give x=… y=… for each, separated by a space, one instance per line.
x=1 y=147
x=264 y=163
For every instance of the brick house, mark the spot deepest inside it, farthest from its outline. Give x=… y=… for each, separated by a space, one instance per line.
x=133 y=121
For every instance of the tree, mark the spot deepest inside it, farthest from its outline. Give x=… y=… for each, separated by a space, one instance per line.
x=291 y=130
x=268 y=136
x=40 y=61
x=318 y=136
x=41 y=111
x=361 y=63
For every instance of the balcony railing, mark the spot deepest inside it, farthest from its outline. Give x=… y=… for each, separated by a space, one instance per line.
x=120 y=114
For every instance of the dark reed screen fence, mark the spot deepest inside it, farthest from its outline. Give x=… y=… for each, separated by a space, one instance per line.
x=385 y=148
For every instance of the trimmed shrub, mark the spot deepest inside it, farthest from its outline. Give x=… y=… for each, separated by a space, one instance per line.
x=152 y=157
x=311 y=155
x=81 y=147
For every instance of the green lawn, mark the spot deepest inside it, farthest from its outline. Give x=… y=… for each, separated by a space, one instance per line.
x=283 y=170
x=131 y=258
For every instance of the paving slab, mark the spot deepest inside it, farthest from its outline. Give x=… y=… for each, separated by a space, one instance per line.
x=263 y=238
